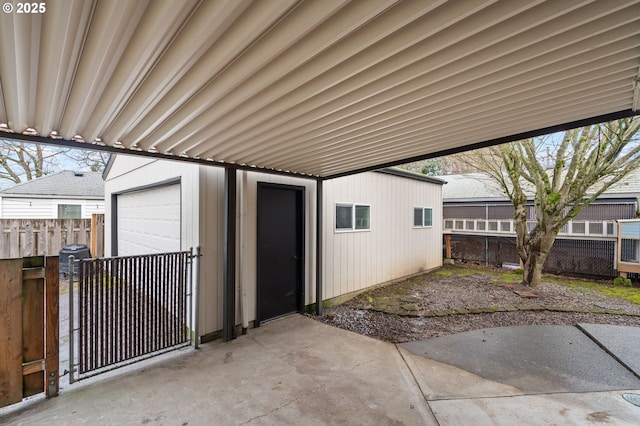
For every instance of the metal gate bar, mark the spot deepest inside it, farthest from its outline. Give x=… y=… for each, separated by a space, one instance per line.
x=130 y=307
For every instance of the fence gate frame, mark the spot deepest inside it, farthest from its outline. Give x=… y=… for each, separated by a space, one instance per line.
x=112 y=328
x=29 y=295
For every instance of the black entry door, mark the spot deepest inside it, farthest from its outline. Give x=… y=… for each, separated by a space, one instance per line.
x=280 y=254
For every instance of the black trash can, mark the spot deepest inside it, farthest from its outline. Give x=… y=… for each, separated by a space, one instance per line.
x=79 y=251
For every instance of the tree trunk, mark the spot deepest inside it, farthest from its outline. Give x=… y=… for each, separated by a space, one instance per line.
x=532 y=271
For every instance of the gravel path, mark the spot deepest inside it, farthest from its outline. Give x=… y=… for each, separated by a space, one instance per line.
x=437 y=304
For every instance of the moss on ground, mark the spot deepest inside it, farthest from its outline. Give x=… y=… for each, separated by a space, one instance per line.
x=511 y=278
x=457 y=271
x=403 y=298
x=630 y=294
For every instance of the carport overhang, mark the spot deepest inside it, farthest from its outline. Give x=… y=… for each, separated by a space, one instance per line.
x=318 y=89
x=314 y=88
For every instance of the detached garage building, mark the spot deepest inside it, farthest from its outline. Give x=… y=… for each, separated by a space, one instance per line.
x=378 y=227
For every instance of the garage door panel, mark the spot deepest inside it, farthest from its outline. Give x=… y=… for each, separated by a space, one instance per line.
x=149 y=221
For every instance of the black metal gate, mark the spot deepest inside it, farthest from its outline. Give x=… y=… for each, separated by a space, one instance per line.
x=129 y=308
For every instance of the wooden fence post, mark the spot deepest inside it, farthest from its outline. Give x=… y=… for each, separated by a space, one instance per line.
x=29 y=322
x=10 y=331
x=52 y=326
x=97 y=235
x=33 y=325
x=447 y=246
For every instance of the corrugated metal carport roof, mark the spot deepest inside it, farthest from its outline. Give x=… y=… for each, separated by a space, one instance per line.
x=320 y=87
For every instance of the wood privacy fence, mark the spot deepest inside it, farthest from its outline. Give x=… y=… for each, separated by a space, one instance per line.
x=45 y=237
x=29 y=325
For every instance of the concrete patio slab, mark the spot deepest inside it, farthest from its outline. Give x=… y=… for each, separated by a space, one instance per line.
x=622 y=342
x=298 y=371
x=290 y=371
x=594 y=408
x=438 y=380
x=532 y=359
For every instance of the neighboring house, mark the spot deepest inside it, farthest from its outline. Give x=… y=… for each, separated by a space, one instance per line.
x=479 y=218
x=378 y=227
x=63 y=195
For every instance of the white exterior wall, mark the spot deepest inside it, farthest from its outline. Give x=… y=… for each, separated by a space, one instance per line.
x=393 y=248
x=129 y=172
x=210 y=216
x=44 y=208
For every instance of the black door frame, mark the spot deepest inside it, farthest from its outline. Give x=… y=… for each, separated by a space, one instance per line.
x=301 y=214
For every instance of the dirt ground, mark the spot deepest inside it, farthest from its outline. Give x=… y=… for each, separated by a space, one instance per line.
x=456 y=299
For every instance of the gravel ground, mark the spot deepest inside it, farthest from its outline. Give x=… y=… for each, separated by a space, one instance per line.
x=434 y=305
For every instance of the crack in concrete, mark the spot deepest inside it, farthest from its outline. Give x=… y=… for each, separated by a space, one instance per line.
x=283 y=405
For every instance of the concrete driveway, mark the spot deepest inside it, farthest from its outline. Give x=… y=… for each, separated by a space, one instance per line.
x=297 y=371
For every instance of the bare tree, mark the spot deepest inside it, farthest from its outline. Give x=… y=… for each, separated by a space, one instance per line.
x=95 y=161
x=565 y=176
x=430 y=167
x=21 y=161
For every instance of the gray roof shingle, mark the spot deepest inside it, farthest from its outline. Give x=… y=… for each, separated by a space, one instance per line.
x=60 y=185
x=477 y=187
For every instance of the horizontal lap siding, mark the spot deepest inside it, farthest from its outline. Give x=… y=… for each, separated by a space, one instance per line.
x=22 y=208
x=393 y=248
x=45 y=208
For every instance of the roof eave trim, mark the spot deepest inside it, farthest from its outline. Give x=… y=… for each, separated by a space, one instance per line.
x=410 y=175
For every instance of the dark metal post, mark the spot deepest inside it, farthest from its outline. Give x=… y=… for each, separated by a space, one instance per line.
x=319 y=235
x=71 y=321
x=229 y=289
x=195 y=300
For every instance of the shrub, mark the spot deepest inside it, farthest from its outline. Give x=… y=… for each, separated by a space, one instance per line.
x=623 y=282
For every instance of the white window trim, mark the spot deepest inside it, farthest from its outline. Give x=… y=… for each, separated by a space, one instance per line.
x=353 y=217
x=68 y=203
x=423 y=226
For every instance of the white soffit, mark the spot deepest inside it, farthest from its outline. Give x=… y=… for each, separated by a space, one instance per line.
x=320 y=87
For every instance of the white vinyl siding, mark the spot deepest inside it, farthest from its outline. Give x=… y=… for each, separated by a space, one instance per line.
x=45 y=208
x=391 y=249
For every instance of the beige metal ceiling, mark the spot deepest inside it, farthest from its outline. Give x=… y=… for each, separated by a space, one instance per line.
x=313 y=87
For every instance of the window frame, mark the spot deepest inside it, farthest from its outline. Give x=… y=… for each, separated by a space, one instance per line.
x=353 y=228
x=66 y=206
x=423 y=209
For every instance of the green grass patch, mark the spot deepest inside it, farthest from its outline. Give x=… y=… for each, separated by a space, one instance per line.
x=629 y=294
x=509 y=277
x=456 y=271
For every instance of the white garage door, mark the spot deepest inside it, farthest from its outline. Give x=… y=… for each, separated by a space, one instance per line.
x=149 y=221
